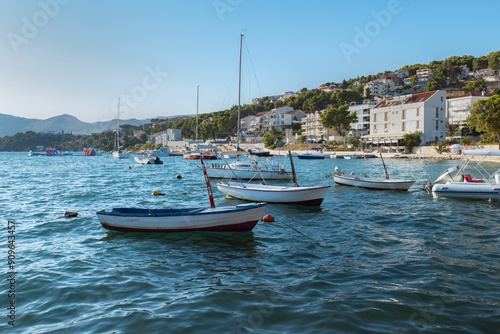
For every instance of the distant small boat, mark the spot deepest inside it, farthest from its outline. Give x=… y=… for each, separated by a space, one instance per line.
x=148 y=160
x=199 y=155
x=51 y=152
x=310 y=156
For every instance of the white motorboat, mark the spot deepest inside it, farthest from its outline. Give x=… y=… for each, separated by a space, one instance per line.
x=461 y=185
x=162 y=152
x=247 y=170
x=294 y=194
x=236 y=218
x=148 y=160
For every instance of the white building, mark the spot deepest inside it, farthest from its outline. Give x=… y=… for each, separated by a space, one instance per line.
x=362 y=126
x=165 y=136
x=279 y=117
x=394 y=117
x=380 y=87
x=314 y=130
x=457 y=108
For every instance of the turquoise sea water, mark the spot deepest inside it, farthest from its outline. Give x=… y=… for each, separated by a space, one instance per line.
x=384 y=262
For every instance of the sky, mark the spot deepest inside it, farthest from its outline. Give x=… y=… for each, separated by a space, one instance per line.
x=78 y=57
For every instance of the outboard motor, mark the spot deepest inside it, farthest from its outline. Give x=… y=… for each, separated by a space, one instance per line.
x=339 y=171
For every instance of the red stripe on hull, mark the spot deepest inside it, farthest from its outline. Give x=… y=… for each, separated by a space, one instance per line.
x=241 y=227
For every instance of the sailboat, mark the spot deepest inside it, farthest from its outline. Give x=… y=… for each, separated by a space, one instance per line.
x=294 y=194
x=197 y=154
x=117 y=152
x=249 y=169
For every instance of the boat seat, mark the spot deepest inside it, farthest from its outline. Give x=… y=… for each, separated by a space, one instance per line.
x=468 y=178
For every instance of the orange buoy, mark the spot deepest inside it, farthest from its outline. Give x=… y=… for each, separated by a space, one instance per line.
x=129 y=167
x=268 y=219
x=179 y=176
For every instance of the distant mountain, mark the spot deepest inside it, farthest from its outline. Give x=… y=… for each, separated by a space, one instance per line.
x=10 y=125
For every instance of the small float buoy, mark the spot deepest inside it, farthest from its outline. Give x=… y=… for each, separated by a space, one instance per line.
x=70 y=214
x=268 y=219
x=129 y=167
x=157 y=193
x=179 y=176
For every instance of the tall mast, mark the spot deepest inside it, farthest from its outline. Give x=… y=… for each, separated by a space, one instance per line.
x=239 y=95
x=197 y=102
x=118 y=128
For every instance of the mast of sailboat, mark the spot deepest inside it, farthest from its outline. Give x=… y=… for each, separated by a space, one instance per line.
x=383 y=163
x=197 y=103
x=118 y=128
x=239 y=95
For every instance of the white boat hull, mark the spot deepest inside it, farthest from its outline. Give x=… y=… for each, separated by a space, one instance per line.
x=120 y=155
x=238 y=218
x=242 y=174
x=307 y=196
x=372 y=183
x=467 y=190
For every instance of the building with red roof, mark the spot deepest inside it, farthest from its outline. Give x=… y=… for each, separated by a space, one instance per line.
x=394 y=117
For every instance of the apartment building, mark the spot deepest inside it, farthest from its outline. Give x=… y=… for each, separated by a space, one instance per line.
x=394 y=117
x=362 y=110
x=457 y=108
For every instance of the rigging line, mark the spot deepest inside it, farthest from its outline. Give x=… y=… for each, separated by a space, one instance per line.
x=229 y=91
x=253 y=68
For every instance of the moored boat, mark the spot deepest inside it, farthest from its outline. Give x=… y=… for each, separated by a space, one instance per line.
x=236 y=218
x=247 y=169
x=310 y=156
x=455 y=183
x=148 y=160
x=370 y=182
x=294 y=194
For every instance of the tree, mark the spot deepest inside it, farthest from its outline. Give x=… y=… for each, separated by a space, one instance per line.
x=476 y=86
x=479 y=63
x=485 y=115
x=413 y=79
x=339 y=118
x=440 y=147
x=272 y=136
x=494 y=60
x=432 y=86
x=410 y=140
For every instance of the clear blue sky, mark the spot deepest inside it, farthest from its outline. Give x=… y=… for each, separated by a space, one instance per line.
x=78 y=56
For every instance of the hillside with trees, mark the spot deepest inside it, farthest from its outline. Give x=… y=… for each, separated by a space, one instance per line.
x=222 y=124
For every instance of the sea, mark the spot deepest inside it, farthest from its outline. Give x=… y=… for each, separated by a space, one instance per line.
x=364 y=262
